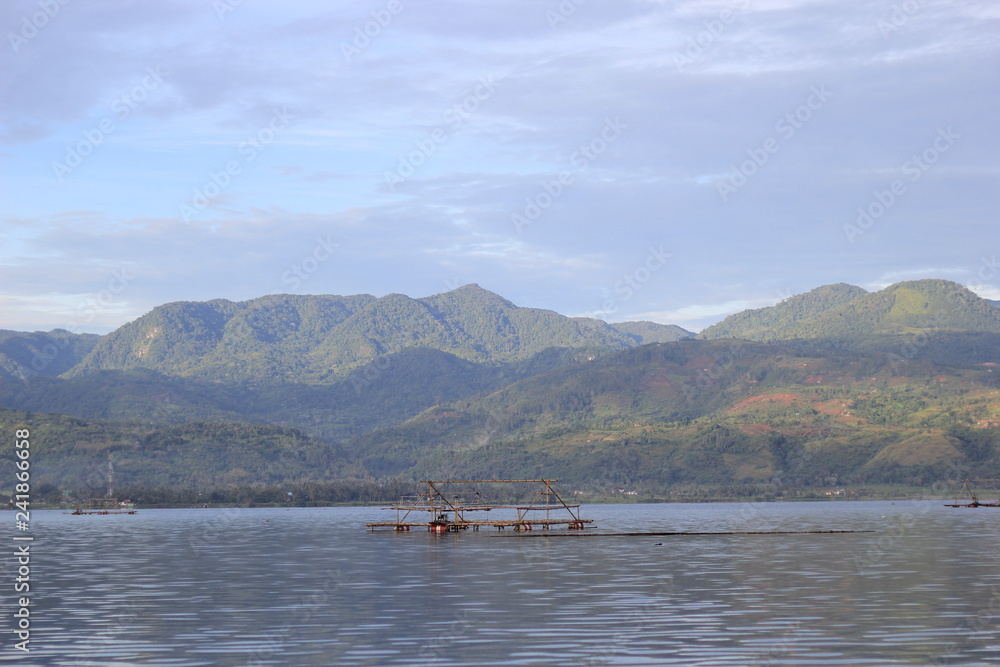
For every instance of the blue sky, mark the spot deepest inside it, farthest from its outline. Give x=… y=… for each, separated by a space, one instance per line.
x=669 y=161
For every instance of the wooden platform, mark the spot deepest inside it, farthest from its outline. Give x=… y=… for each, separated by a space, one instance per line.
x=529 y=524
x=105 y=506
x=446 y=511
x=973 y=500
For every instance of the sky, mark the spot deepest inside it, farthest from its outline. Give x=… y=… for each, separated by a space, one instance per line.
x=628 y=160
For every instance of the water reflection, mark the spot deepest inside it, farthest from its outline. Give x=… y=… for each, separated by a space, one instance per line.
x=312 y=587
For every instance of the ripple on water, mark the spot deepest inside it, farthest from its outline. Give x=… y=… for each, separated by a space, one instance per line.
x=211 y=587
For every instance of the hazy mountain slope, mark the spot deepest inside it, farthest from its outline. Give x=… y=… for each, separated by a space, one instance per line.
x=384 y=392
x=844 y=311
x=266 y=338
x=321 y=338
x=717 y=412
x=644 y=333
x=74 y=454
x=24 y=354
x=910 y=307
x=777 y=322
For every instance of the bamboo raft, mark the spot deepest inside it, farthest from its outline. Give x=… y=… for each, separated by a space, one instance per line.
x=448 y=512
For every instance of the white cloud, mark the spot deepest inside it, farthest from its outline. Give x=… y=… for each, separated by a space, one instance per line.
x=451 y=220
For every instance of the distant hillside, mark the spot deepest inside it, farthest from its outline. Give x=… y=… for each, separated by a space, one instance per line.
x=24 y=355
x=384 y=392
x=780 y=321
x=644 y=333
x=844 y=311
x=321 y=338
x=74 y=454
x=900 y=386
x=712 y=412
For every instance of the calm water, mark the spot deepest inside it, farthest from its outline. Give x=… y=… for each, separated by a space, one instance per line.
x=313 y=587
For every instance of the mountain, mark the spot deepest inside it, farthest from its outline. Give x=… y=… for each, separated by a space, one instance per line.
x=644 y=333
x=712 y=412
x=74 y=454
x=777 y=322
x=386 y=391
x=24 y=355
x=322 y=338
x=848 y=312
x=898 y=386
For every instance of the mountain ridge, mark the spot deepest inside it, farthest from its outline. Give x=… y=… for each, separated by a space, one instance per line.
x=847 y=311
x=895 y=386
x=322 y=337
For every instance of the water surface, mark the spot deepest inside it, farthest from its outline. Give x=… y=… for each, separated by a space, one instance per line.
x=314 y=587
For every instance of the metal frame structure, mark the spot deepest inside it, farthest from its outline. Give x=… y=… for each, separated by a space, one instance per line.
x=449 y=512
x=974 y=502
x=105 y=506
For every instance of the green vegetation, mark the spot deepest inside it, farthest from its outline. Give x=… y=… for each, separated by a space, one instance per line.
x=24 y=355
x=76 y=455
x=337 y=399
x=320 y=339
x=650 y=332
x=712 y=412
x=845 y=311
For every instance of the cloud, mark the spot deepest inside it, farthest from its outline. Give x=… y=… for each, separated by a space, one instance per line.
x=709 y=92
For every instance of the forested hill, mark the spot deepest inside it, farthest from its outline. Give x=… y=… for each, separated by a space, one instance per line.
x=722 y=412
x=849 y=312
x=42 y=353
x=898 y=386
x=321 y=338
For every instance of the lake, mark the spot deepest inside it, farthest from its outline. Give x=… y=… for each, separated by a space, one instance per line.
x=314 y=587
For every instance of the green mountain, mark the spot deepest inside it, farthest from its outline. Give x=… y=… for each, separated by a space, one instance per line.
x=848 y=312
x=24 y=355
x=386 y=391
x=644 y=333
x=899 y=386
x=777 y=322
x=74 y=454
x=322 y=338
x=713 y=412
